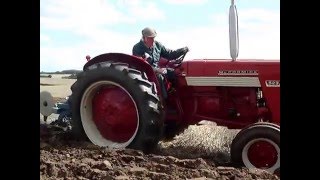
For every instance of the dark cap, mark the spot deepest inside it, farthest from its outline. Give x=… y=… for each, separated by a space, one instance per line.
x=149 y=32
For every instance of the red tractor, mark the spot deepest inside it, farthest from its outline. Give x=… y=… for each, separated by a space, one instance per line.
x=117 y=102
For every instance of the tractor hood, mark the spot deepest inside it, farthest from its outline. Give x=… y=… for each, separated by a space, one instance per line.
x=226 y=67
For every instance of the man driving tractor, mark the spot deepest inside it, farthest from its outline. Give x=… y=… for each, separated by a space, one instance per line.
x=152 y=51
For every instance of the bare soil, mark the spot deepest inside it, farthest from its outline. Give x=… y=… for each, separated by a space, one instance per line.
x=189 y=155
x=200 y=152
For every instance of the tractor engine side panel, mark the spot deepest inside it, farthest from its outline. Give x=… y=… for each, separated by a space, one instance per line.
x=252 y=87
x=270 y=85
x=230 y=106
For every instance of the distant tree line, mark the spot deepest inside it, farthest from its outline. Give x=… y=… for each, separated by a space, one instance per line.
x=71 y=71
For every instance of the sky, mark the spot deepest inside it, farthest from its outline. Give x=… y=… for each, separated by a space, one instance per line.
x=72 y=29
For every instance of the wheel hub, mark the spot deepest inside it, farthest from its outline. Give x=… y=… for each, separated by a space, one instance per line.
x=262 y=154
x=109 y=114
x=114 y=114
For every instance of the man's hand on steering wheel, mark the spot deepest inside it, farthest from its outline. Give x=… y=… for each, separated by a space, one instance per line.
x=178 y=61
x=186 y=49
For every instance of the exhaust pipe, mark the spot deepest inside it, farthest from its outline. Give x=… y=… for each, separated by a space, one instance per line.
x=233 y=31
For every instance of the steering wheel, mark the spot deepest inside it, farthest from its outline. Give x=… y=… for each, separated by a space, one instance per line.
x=177 y=62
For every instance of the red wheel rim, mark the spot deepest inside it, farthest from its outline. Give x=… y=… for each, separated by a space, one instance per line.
x=262 y=154
x=114 y=114
x=109 y=114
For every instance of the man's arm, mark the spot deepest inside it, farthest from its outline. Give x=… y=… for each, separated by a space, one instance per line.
x=136 y=51
x=172 y=54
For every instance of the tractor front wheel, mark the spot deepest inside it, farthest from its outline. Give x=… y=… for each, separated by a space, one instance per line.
x=257 y=146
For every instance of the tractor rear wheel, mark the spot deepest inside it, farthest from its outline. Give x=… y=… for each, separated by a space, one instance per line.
x=116 y=106
x=257 y=146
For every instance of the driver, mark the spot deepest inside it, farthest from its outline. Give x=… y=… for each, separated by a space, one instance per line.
x=152 y=51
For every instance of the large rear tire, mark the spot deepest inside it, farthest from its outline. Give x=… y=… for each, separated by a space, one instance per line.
x=135 y=107
x=257 y=146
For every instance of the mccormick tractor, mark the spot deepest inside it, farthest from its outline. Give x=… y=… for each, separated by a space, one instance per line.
x=117 y=102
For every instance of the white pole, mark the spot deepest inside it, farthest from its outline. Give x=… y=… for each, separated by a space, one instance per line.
x=233 y=31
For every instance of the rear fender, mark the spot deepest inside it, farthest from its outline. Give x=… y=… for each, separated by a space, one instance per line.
x=136 y=62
